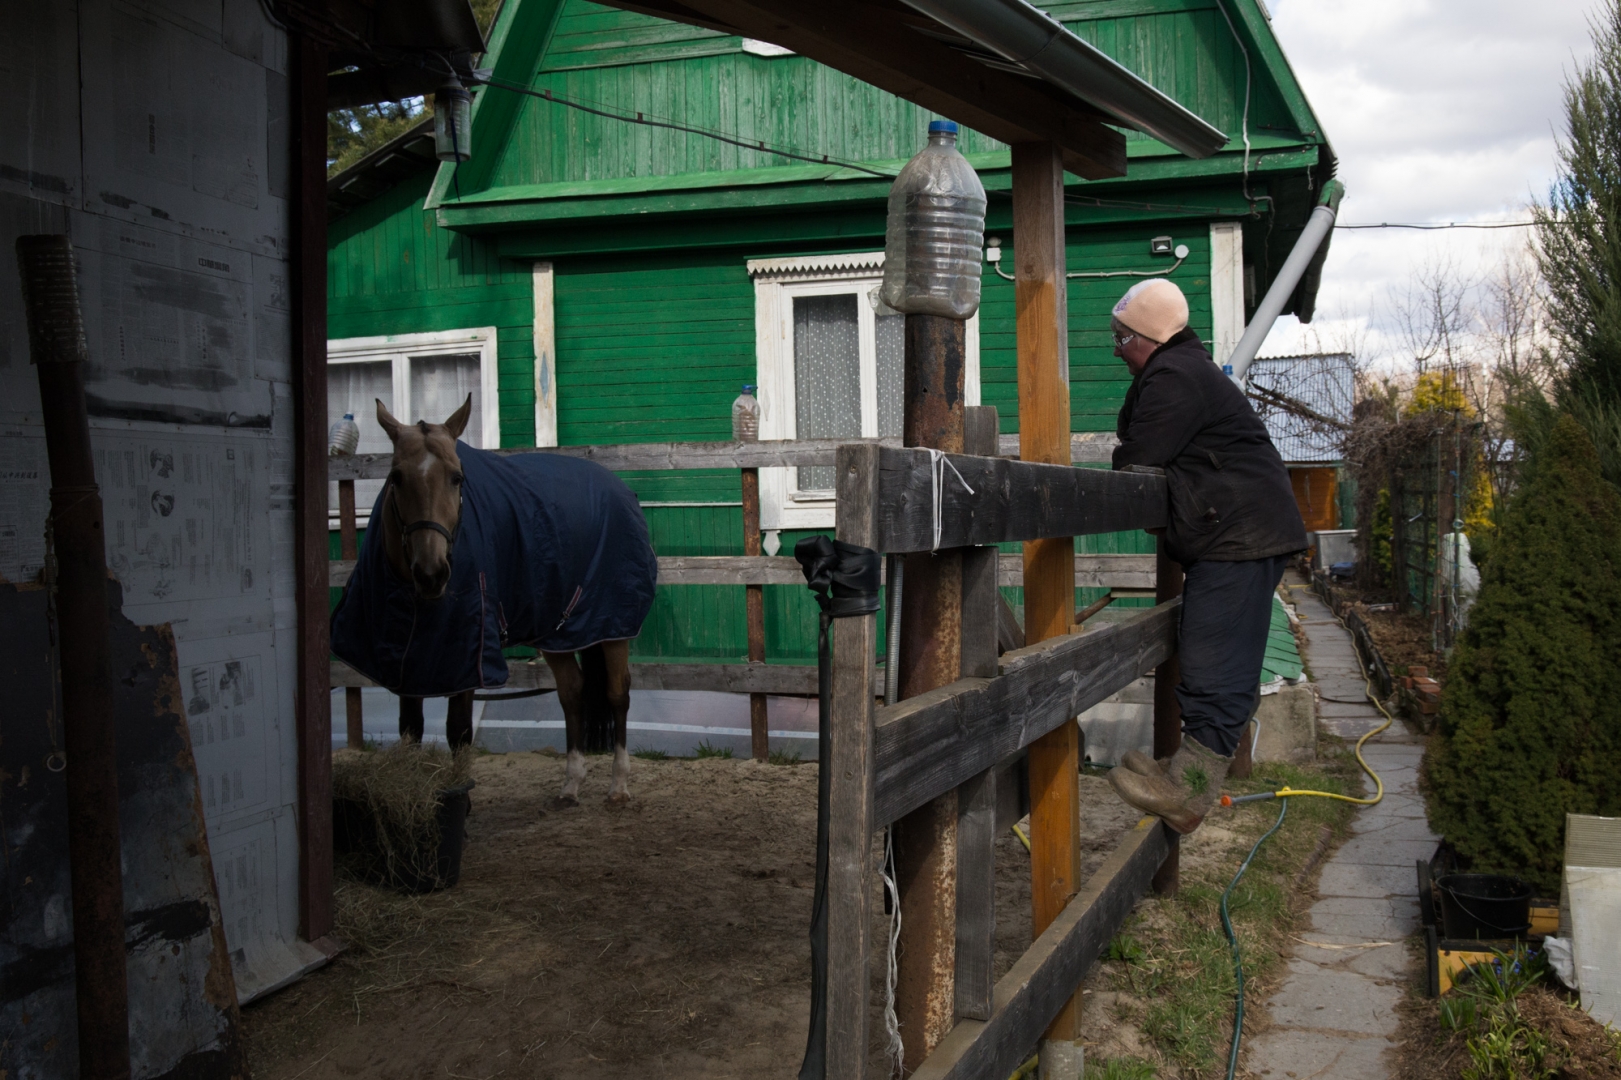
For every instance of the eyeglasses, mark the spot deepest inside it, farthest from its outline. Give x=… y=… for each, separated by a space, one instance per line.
x=1120 y=342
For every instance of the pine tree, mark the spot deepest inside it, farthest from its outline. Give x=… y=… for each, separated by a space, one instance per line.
x=1579 y=230
x=1530 y=725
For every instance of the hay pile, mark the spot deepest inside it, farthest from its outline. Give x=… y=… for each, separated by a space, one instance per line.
x=386 y=808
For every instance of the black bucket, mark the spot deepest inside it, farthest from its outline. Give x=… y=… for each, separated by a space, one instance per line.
x=354 y=832
x=1484 y=906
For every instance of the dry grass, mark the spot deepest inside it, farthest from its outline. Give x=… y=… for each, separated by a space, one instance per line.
x=400 y=788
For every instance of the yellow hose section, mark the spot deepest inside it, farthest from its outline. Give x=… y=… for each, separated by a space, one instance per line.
x=1026 y=1069
x=1023 y=839
x=1367 y=688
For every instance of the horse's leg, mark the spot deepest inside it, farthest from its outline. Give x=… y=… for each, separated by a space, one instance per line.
x=411 y=718
x=459 y=720
x=570 y=682
x=617 y=654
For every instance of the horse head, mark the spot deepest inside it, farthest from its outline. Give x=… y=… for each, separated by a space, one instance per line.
x=424 y=504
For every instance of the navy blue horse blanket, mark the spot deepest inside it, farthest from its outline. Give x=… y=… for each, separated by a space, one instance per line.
x=552 y=552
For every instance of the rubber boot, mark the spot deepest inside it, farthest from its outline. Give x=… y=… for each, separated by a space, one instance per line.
x=1143 y=765
x=1182 y=794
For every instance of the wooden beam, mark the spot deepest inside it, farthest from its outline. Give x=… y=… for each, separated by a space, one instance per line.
x=685 y=570
x=354 y=714
x=790 y=679
x=928 y=745
x=754 y=609
x=1041 y=981
x=1168 y=712
x=1041 y=316
x=312 y=702
x=989 y=500
x=849 y=770
x=881 y=44
x=976 y=896
x=1091 y=571
x=1085 y=448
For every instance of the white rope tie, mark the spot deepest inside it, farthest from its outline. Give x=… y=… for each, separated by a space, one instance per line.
x=938 y=464
x=895 y=1050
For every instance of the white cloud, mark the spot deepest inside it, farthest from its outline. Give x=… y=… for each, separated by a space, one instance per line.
x=1438 y=111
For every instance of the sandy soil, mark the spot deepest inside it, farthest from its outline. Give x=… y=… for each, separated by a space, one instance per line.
x=667 y=939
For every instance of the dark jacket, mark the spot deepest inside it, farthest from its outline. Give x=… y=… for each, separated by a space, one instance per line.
x=1230 y=493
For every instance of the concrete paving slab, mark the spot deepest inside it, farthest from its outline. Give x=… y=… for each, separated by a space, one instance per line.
x=1280 y=1055
x=1369 y=926
x=1340 y=708
x=1316 y=997
x=1377 y=850
x=1343 y=879
x=1397 y=829
x=1383 y=960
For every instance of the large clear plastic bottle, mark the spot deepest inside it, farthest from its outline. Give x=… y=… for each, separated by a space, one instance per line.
x=746 y=416
x=935 y=232
x=343 y=437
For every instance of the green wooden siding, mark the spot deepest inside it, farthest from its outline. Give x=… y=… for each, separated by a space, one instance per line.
x=392 y=270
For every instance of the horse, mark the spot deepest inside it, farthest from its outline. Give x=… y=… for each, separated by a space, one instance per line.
x=469 y=552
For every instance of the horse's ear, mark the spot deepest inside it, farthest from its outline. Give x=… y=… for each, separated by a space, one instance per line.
x=458 y=419
x=386 y=419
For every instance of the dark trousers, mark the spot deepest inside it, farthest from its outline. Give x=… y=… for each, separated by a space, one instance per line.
x=1226 y=612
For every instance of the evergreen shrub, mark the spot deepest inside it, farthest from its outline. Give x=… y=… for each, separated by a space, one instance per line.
x=1530 y=724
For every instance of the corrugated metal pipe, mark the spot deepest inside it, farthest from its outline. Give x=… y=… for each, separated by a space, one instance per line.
x=1318 y=227
x=1043 y=46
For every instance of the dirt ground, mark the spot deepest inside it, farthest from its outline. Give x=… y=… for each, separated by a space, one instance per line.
x=1403 y=641
x=667 y=939
x=1579 y=1047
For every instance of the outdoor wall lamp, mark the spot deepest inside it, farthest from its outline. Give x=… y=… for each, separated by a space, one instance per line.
x=452 y=122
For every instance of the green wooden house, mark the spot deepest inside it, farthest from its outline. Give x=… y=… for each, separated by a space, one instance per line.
x=594 y=279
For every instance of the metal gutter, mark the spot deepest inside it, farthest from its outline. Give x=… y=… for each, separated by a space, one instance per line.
x=1043 y=46
x=1319 y=226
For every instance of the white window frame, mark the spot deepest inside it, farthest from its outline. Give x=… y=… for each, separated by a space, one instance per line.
x=398 y=350
x=776 y=283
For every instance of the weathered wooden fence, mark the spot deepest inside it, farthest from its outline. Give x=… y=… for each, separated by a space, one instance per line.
x=886 y=761
x=1127 y=575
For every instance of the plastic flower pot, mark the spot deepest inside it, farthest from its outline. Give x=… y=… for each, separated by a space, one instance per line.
x=1484 y=906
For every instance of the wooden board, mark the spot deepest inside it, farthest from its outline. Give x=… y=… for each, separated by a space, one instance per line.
x=927 y=745
x=1041 y=981
x=988 y=500
x=797 y=679
x=1091 y=571
x=1085 y=447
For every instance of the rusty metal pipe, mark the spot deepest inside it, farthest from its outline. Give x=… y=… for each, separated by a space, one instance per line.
x=57 y=348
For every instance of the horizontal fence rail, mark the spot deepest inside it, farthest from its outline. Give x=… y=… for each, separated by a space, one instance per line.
x=789 y=679
x=998 y=500
x=1091 y=571
x=928 y=745
x=1085 y=448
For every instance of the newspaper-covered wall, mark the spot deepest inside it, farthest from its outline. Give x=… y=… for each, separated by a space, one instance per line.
x=156 y=136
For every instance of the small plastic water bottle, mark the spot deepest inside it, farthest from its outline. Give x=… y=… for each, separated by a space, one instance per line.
x=746 y=416
x=344 y=436
x=935 y=231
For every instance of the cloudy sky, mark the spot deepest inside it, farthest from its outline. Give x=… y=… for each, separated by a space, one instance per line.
x=1439 y=110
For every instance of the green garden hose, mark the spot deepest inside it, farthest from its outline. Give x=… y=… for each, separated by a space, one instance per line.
x=1232 y=939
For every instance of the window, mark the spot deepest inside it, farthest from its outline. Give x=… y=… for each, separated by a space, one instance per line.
x=417 y=377
x=831 y=360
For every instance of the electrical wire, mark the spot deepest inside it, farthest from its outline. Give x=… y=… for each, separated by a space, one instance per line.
x=1443 y=225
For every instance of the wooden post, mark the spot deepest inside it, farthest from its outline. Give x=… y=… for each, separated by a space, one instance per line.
x=349 y=549
x=850 y=783
x=312 y=695
x=759 y=726
x=1042 y=316
x=1167 y=710
x=977 y=799
x=930 y=656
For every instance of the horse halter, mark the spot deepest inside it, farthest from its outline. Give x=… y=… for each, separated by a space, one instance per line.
x=425 y=524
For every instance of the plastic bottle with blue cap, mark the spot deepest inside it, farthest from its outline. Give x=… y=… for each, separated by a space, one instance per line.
x=935 y=233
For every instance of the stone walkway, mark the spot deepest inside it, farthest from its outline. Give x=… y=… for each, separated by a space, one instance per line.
x=1335 y=1018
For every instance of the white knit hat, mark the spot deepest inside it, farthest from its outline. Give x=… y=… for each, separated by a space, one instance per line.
x=1154 y=308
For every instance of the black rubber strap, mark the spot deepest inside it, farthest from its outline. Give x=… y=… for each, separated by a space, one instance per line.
x=846 y=579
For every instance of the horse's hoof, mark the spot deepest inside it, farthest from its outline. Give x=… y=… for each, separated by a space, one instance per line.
x=617 y=801
x=565 y=802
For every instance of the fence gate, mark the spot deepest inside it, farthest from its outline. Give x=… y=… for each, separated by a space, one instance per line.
x=887 y=761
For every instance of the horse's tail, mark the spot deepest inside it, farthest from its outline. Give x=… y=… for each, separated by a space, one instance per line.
x=596 y=716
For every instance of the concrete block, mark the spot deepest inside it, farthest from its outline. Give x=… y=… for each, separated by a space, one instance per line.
x=1341 y=879
x=1288 y=721
x=1110 y=728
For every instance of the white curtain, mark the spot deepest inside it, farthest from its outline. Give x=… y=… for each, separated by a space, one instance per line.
x=827 y=376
